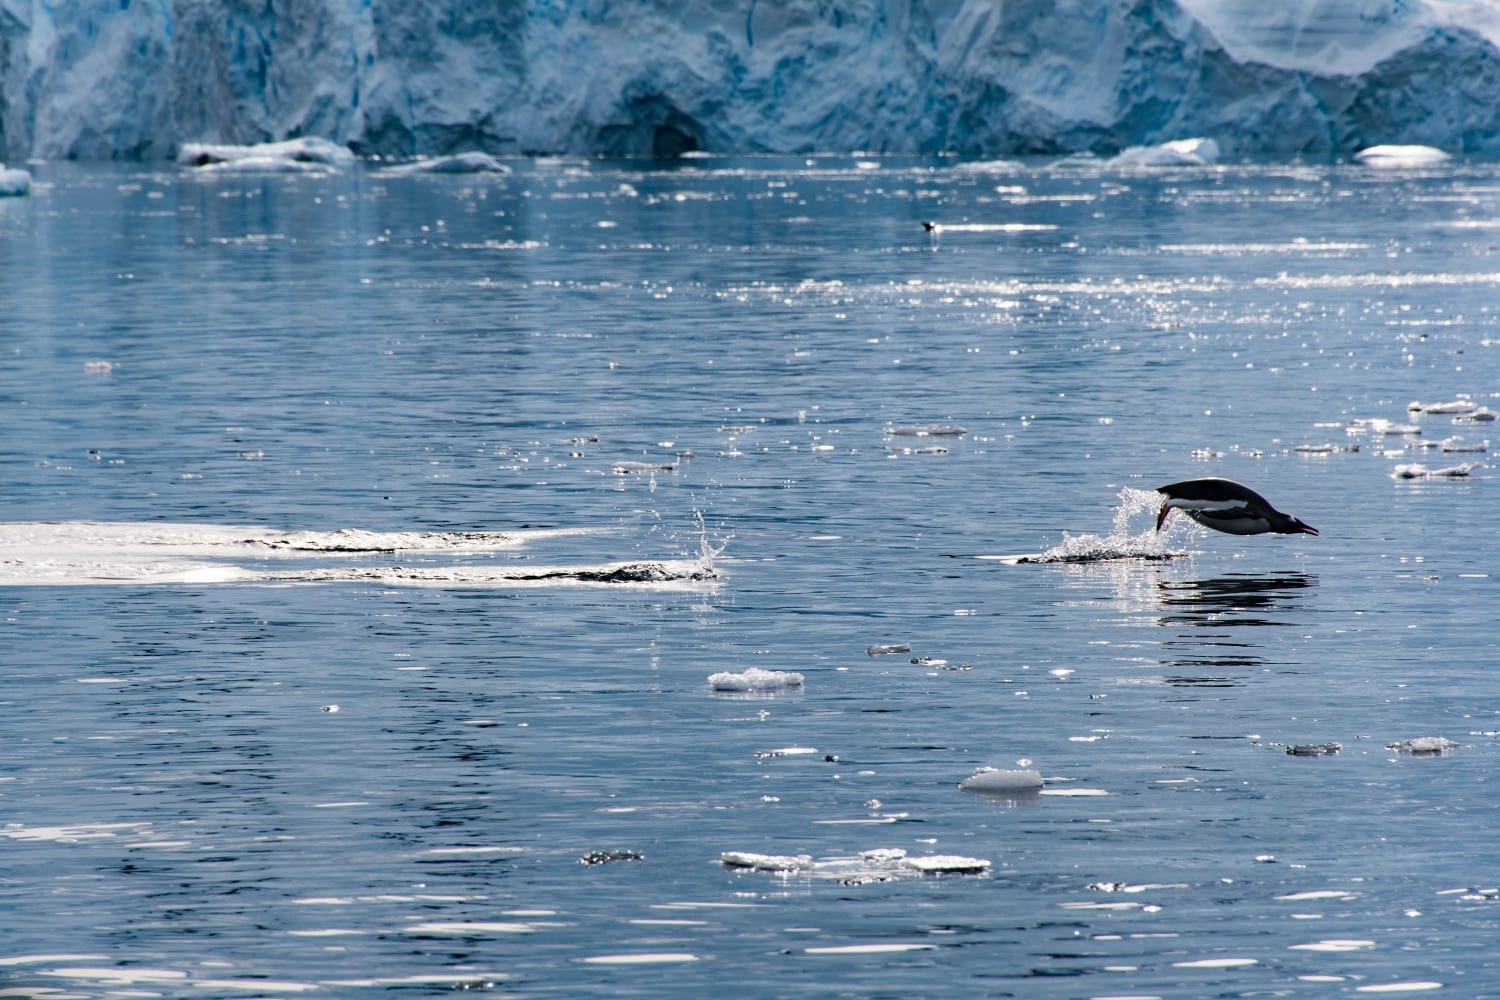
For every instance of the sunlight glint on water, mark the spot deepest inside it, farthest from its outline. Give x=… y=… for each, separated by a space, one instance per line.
x=370 y=542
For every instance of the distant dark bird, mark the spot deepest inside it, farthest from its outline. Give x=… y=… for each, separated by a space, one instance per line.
x=1225 y=505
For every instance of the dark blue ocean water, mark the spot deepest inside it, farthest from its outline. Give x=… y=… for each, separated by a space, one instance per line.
x=369 y=542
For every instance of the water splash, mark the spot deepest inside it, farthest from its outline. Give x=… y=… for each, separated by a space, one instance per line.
x=709 y=547
x=1124 y=540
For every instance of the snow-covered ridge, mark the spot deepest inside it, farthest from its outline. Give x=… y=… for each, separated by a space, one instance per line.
x=403 y=78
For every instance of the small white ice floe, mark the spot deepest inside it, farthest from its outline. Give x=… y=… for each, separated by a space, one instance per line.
x=1483 y=415
x=765 y=862
x=883 y=650
x=991 y=780
x=1325 y=449
x=1177 y=153
x=785 y=752
x=1380 y=425
x=1423 y=746
x=1401 y=156
x=755 y=680
x=461 y=163
x=927 y=430
x=1455 y=406
x=1457 y=446
x=329 y=709
x=882 y=864
x=946 y=864
x=641 y=468
x=1416 y=471
x=14 y=182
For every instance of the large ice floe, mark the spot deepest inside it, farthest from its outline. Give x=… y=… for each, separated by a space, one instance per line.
x=72 y=553
x=88 y=79
x=307 y=155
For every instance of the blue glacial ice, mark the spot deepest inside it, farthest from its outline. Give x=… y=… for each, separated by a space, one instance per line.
x=138 y=79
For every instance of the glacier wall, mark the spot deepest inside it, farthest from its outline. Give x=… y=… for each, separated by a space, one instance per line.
x=98 y=79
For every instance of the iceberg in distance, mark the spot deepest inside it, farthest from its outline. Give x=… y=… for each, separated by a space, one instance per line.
x=1177 y=153
x=1401 y=156
x=289 y=155
x=14 y=183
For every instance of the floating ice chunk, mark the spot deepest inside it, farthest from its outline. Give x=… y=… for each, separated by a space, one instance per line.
x=756 y=679
x=785 y=752
x=937 y=228
x=1453 y=446
x=884 y=855
x=946 y=864
x=1401 y=156
x=14 y=182
x=927 y=430
x=994 y=779
x=641 y=468
x=1313 y=749
x=868 y=949
x=1416 y=471
x=1178 y=153
x=1414 y=986
x=608 y=857
x=883 y=650
x=1456 y=406
x=1423 y=746
x=1483 y=415
x=1380 y=425
x=765 y=862
x=466 y=928
x=462 y=163
x=264 y=165
x=1301 y=897
x=1334 y=945
x=1325 y=449
x=267 y=155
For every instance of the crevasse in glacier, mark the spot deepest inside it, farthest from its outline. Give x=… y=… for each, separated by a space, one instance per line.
x=140 y=78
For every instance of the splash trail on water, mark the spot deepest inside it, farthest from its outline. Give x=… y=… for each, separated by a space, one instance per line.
x=1122 y=542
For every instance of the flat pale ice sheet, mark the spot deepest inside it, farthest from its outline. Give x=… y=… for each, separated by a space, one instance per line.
x=368 y=543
